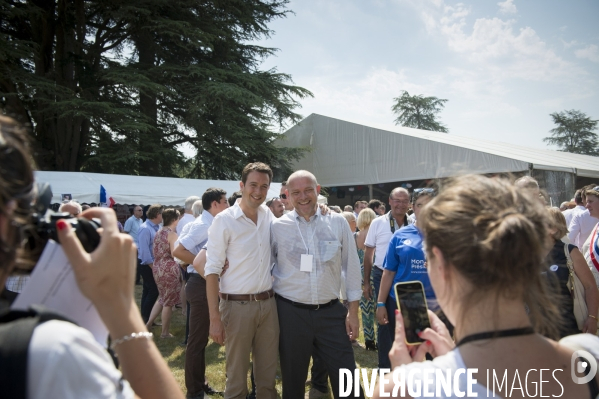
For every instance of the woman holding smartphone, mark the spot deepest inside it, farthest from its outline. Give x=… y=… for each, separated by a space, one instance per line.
x=486 y=242
x=64 y=360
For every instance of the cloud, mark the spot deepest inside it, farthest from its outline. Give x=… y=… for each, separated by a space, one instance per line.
x=507 y=7
x=494 y=45
x=590 y=52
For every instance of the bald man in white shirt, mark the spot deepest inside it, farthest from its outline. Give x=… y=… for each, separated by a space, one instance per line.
x=313 y=253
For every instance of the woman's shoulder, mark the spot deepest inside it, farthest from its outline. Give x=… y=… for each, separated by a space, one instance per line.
x=450 y=368
x=79 y=366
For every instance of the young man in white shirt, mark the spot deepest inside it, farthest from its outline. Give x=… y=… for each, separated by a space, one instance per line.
x=246 y=319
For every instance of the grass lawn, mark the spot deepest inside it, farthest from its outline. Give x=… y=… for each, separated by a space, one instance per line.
x=174 y=354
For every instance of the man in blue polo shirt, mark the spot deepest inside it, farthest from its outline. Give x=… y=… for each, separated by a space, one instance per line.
x=405 y=261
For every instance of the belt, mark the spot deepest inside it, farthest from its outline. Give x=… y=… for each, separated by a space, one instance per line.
x=248 y=297
x=306 y=306
x=195 y=276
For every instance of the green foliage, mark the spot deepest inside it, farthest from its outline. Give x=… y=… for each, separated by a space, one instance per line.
x=117 y=87
x=419 y=112
x=574 y=133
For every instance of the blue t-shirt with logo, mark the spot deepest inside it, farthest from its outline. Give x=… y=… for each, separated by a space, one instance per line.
x=405 y=257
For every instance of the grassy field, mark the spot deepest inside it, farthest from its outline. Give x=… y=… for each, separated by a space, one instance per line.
x=174 y=354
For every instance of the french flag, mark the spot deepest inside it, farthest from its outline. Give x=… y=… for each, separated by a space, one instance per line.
x=105 y=199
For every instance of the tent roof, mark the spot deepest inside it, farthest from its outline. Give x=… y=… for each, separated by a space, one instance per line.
x=145 y=190
x=346 y=153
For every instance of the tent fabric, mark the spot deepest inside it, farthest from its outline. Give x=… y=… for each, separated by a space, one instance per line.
x=343 y=153
x=144 y=190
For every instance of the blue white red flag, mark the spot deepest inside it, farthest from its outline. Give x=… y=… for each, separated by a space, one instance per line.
x=594 y=248
x=105 y=199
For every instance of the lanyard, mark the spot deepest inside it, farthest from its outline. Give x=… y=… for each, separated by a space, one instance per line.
x=392 y=221
x=300 y=233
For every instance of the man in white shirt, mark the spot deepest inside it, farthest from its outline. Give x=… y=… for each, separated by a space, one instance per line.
x=214 y=201
x=188 y=216
x=569 y=213
x=377 y=241
x=582 y=222
x=132 y=226
x=246 y=320
x=313 y=253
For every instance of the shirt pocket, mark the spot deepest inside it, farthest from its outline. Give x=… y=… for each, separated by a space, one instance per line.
x=329 y=249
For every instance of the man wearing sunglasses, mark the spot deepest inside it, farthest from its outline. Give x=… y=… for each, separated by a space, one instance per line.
x=283 y=197
x=276 y=206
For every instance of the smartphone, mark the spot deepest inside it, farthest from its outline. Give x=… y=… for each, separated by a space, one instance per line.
x=411 y=302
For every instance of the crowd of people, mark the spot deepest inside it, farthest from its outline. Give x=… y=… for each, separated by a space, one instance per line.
x=281 y=281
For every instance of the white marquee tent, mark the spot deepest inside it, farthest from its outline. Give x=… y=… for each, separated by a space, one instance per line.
x=345 y=153
x=145 y=190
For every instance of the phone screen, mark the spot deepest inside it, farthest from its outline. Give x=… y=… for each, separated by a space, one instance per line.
x=411 y=302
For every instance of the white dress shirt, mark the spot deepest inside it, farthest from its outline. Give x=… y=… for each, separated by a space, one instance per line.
x=184 y=221
x=379 y=235
x=335 y=258
x=580 y=226
x=246 y=245
x=195 y=235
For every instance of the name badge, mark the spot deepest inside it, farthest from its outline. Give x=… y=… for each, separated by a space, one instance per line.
x=306 y=263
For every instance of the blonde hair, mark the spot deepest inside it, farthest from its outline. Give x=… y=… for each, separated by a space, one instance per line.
x=558 y=221
x=349 y=216
x=495 y=236
x=365 y=217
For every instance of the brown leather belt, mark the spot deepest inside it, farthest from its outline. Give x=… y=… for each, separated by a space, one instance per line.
x=247 y=297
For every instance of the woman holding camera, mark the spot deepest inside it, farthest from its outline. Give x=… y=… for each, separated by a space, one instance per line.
x=64 y=361
x=486 y=243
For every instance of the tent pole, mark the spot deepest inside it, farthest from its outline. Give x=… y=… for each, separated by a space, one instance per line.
x=370 y=196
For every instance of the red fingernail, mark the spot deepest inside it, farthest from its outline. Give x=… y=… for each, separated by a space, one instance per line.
x=419 y=333
x=429 y=343
x=396 y=311
x=61 y=225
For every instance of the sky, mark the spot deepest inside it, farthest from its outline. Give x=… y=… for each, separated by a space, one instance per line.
x=504 y=66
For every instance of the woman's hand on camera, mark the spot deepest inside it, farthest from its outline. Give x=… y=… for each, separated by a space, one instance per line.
x=105 y=276
x=402 y=353
x=438 y=336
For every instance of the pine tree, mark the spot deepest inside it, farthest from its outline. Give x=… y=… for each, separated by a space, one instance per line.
x=117 y=87
x=419 y=112
x=574 y=133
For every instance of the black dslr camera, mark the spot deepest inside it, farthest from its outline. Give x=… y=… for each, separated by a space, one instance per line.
x=43 y=224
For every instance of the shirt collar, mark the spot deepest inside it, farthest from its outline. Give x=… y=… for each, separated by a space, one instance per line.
x=238 y=212
x=206 y=217
x=296 y=216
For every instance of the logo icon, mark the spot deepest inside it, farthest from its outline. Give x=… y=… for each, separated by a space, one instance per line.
x=581 y=360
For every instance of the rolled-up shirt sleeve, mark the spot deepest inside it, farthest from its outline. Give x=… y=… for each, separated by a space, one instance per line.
x=350 y=265
x=128 y=225
x=218 y=241
x=145 y=246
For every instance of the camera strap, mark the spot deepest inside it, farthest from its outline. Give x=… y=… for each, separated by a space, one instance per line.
x=16 y=329
x=392 y=221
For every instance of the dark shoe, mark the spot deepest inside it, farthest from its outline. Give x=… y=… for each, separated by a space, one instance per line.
x=370 y=345
x=210 y=391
